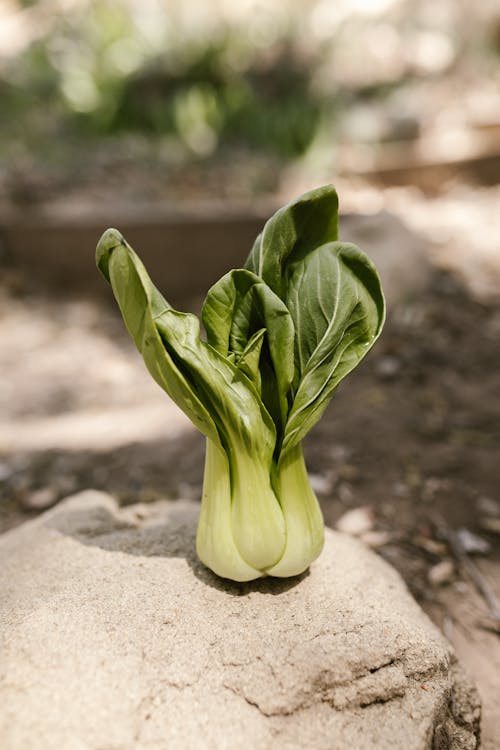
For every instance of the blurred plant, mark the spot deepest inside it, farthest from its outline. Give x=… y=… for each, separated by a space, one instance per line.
x=103 y=69
x=268 y=78
x=268 y=105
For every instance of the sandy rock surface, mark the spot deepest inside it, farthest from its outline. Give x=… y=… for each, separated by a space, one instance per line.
x=114 y=637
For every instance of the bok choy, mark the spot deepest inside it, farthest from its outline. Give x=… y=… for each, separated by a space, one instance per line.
x=281 y=333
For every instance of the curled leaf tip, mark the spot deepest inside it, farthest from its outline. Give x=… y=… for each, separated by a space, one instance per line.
x=111 y=239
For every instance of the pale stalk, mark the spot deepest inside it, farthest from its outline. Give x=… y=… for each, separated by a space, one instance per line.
x=303 y=518
x=215 y=542
x=258 y=525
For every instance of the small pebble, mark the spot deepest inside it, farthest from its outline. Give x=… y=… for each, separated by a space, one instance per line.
x=66 y=485
x=340 y=452
x=472 y=543
x=388 y=367
x=491 y=524
x=136 y=513
x=401 y=489
x=320 y=483
x=345 y=493
x=431 y=487
x=347 y=471
x=488 y=507
x=188 y=491
x=441 y=573
x=376 y=539
x=357 y=521
x=431 y=545
x=39 y=499
x=6 y=471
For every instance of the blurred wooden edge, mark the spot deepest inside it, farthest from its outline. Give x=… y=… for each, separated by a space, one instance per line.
x=185 y=253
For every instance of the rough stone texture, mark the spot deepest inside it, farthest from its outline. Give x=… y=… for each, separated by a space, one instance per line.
x=114 y=637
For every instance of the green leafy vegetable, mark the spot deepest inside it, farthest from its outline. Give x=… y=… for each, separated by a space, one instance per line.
x=280 y=336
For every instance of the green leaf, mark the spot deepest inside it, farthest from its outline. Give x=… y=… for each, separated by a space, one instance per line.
x=216 y=395
x=222 y=299
x=281 y=335
x=293 y=232
x=236 y=308
x=206 y=385
x=261 y=307
x=334 y=298
x=337 y=305
x=225 y=390
x=246 y=431
x=248 y=360
x=140 y=304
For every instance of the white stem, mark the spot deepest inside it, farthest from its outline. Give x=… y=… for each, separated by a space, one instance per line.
x=215 y=542
x=303 y=518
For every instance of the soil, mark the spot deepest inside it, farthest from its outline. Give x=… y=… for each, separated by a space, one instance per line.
x=411 y=436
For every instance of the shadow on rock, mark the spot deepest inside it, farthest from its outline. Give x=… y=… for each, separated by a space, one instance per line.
x=161 y=529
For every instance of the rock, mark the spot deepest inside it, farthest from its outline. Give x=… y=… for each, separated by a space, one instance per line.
x=321 y=484
x=471 y=543
x=39 y=499
x=387 y=367
x=115 y=636
x=376 y=539
x=441 y=573
x=490 y=524
x=356 y=521
x=488 y=507
x=6 y=471
x=489 y=519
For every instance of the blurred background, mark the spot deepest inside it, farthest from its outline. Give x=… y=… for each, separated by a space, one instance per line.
x=183 y=103
x=187 y=125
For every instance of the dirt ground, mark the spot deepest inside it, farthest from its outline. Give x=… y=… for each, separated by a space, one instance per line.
x=411 y=438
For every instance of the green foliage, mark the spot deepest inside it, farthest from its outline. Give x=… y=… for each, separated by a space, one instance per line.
x=100 y=72
x=281 y=335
